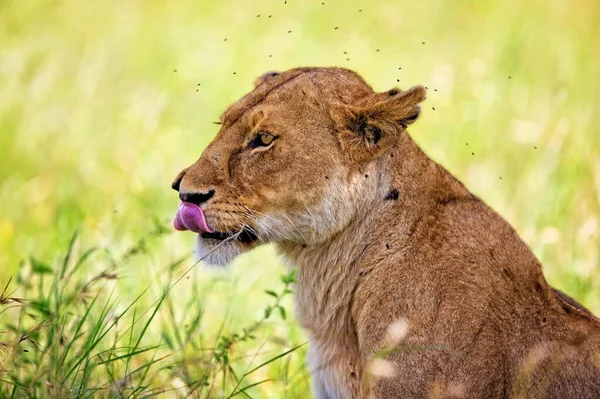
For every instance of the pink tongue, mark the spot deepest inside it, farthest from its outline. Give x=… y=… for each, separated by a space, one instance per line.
x=190 y=217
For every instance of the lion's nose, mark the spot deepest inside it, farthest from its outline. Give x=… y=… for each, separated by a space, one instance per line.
x=196 y=198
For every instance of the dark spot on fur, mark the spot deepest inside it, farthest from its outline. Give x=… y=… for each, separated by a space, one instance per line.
x=567 y=308
x=387 y=246
x=392 y=195
x=447 y=200
x=363 y=273
x=367 y=176
x=491 y=252
x=544 y=320
x=327 y=177
x=538 y=286
x=571 y=306
x=352 y=374
x=508 y=273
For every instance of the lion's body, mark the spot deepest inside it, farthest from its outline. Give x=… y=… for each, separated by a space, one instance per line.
x=408 y=285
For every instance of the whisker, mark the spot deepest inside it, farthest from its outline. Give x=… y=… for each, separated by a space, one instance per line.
x=291 y=228
x=259 y=222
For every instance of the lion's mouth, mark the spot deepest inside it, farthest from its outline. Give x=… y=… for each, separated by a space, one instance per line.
x=191 y=217
x=246 y=235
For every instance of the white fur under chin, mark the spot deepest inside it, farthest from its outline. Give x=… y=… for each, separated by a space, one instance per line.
x=216 y=253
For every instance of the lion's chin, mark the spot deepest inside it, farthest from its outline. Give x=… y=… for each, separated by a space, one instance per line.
x=216 y=252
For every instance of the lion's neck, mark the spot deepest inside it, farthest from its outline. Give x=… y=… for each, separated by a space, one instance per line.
x=326 y=273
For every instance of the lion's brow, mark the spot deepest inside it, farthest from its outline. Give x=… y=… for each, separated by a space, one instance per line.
x=258 y=95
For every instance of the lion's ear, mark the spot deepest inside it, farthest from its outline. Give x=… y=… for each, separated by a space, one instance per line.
x=368 y=130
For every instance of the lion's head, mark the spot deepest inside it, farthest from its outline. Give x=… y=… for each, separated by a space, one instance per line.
x=292 y=161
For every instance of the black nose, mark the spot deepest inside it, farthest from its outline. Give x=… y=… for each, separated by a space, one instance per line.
x=196 y=198
x=178 y=179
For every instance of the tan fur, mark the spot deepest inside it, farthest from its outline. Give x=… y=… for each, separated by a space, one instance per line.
x=408 y=285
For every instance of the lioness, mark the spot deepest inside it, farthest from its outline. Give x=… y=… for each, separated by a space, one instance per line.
x=408 y=285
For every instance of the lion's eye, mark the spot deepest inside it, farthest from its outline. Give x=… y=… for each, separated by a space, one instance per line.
x=266 y=138
x=263 y=139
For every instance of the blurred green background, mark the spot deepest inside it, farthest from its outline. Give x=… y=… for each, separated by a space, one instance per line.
x=102 y=103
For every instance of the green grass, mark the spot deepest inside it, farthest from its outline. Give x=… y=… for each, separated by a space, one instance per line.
x=75 y=339
x=100 y=107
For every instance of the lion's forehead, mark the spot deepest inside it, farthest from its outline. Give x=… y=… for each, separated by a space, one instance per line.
x=257 y=96
x=292 y=87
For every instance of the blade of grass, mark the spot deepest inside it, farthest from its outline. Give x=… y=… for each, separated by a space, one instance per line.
x=78 y=328
x=244 y=389
x=249 y=364
x=67 y=257
x=127 y=355
x=274 y=358
x=95 y=342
